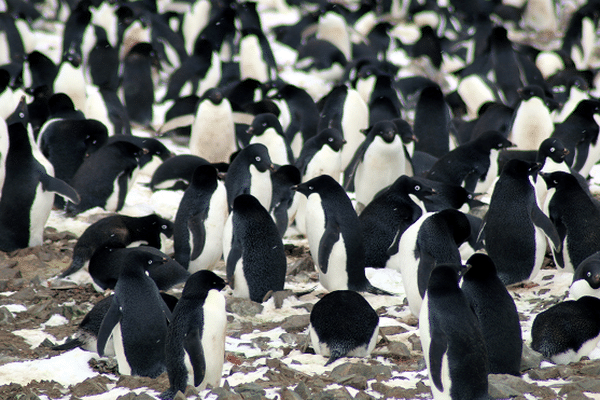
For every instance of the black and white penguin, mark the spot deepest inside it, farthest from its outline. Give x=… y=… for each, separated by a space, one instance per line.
x=567 y=331
x=532 y=121
x=586 y=279
x=138 y=84
x=103 y=62
x=473 y=165
x=200 y=220
x=105 y=177
x=118 y=231
x=432 y=122
x=497 y=315
x=551 y=155
x=136 y=320
x=256 y=262
x=104 y=105
x=266 y=129
x=453 y=344
x=195 y=345
x=343 y=324
x=213 y=130
x=335 y=236
x=284 y=201
x=431 y=240
x=515 y=228
x=256 y=57
x=389 y=214
x=377 y=162
x=27 y=192
x=321 y=59
x=175 y=173
x=576 y=218
x=250 y=173
x=505 y=66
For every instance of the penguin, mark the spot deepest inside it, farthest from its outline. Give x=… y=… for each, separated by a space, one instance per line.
x=256 y=57
x=154 y=151
x=586 y=279
x=551 y=156
x=180 y=117
x=200 y=220
x=429 y=46
x=175 y=173
x=106 y=264
x=195 y=344
x=431 y=124
x=103 y=62
x=335 y=236
x=284 y=202
x=515 y=229
x=505 y=66
x=256 y=262
x=495 y=117
x=473 y=165
x=576 y=218
x=578 y=41
x=389 y=214
x=118 y=231
x=42 y=70
x=104 y=105
x=567 y=331
x=105 y=177
x=532 y=121
x=431 y=240
x=453 y=344
x=136 y=320
x=497 y=314
x=137 y=83
x=250 y=172
x=28 y=192
x=266 y=129
x=213 y=130
x=343 y=324
x=321 y=59
x=377 y=162
x=87 y=331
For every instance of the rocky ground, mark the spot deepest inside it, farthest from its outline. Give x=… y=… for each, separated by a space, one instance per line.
x=23 y=281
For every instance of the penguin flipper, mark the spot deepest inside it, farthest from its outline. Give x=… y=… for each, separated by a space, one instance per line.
x=196 y=226
x=350 y=170
x=329 y=238
x=395 y=246
x=193 y=346
x=470 y=181
x=69 y=344
x=542 y=221
x=235 y=253
x=111 y=319
x=426 y=265
x=437 y=349
x=52 y=184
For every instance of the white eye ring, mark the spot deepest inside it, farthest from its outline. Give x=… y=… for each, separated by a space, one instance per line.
x=417 y=188
x=330 y=139
x=257 y=158
x=552 y=149
x=588 y=274
x=310 y=187
x=149 y=262
x=163 y=227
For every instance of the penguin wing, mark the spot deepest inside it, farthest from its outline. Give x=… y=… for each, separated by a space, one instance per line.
x=437 y=349
x=193 y=346
x=542 y=221
x=470 y=181
x=235 y=253
x=350 y=170
x=196 y=226
x=426 y=265
x=123 y=185
x=110 y=320
x=52 y=184
x=330 y=236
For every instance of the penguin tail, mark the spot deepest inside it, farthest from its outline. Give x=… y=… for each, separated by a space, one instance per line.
x=305 y=292
x=74 y=267
x=375 y=290
x=69 y=344
x=334 y=356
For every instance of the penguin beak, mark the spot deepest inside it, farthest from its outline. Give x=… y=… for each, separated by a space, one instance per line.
x=466 y=269
x=566 y=151
x=250 y=130
x=272 y=168
x=221 y=175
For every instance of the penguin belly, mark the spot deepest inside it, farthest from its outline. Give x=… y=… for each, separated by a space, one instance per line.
x=336 y=277
x=261 y=186
x=532 y=125
x=213 y=337
x=355 y=117
x=38 y=215
x=213 y=132
x=539 y=252
x=571 y=355
x=122 y=363
x=408 y=263
x=491 y=175
x=275 y=144
x=241 y=288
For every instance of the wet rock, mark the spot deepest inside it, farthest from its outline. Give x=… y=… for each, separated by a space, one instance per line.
x=243 y=307
x=296 y=323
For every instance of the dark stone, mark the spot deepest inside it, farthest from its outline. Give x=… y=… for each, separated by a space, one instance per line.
x=296 y=323
x=243 y=307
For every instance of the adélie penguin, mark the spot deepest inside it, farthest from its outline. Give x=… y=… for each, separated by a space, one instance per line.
x=586 y=279
x=335 y=236
x=195 y=344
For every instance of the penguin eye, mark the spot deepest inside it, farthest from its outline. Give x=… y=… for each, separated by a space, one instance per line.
x=264 y=124
x=257 y=158
x=552 y=149
x=163 y=227
x=588 y=274
x=417 y=188
x=555 y=182
x=311 y=188
x=330 y=140
x=149 y=262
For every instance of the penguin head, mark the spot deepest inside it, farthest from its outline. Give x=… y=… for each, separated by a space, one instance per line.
x=200 y=283
x=405 y=131
x=315 y=185
x=262 y=122
x=205 y=177
x=287 y=174
x=138 y=261
x=384 y=129
x=333 y=138
x=409 y=185
x=530 y=91
x=518 y=168
x=559 y=179
x=165 y=226
x=554 y=149
x=479 y=266
x=492 y=140
x=587 y=108
x=258 y=155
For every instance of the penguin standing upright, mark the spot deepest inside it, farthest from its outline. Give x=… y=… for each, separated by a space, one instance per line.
x=497 y=314
x=256 y=57
x=532 y=122
x=431 y=240
x=432 y=121
x=195 y=344
x=256 y=263
x=200 y=220
x=452 y=342
x=515 y=229
x=213 y=129
x=136 y=320
x=343 y=323
x=576 y=218
x=284 y=201
x=138 y=85
x=335 y=236
x=266 y=129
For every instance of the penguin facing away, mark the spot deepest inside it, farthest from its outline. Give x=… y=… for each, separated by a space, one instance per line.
x=343 y=324
x=335 y=236
x=497 y=314
x=195 y=344
x=453 y=344
x=256 y=263
x=586 y=279
x=137 y=320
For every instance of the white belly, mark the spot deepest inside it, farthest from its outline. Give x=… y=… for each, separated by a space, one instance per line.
x=213 y=132
x=239 y=282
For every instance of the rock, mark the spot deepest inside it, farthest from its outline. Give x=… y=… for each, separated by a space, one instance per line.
x=368 y=371
x=398 y=350
x=249 y=389
x=6 y=316
x=225 y=394
x=337 y=394
x=280 y=296
x=400 y=392
x=530 y=359
x=296 y=323
x=91 y=386
x=577 y=396
x=243 y=307
x=415 y=342
x=502 y=386
x=543 y=374
x=302 y=390
x=179 y=396
x=287 y=394
x=581 y=384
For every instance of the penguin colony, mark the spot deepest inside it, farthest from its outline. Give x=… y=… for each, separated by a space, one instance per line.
x=384 y=142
